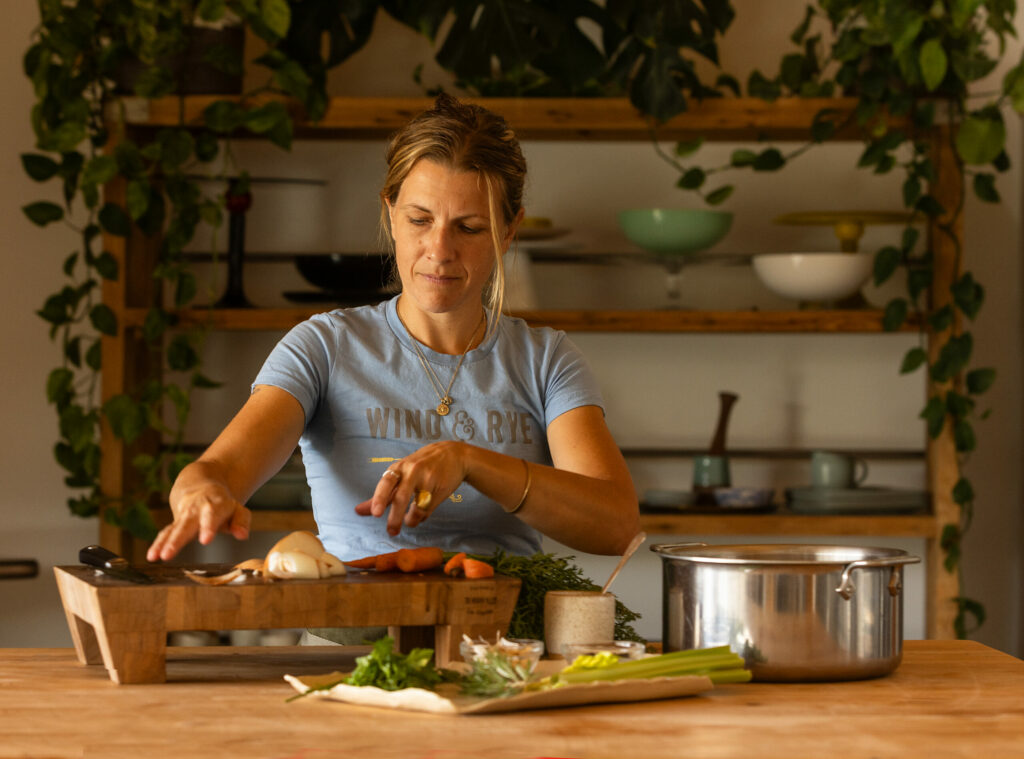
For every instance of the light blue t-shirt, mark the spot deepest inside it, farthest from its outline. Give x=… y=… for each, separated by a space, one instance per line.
x=367 y=401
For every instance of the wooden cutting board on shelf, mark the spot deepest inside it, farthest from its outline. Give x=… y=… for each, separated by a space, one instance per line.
x=124 y=625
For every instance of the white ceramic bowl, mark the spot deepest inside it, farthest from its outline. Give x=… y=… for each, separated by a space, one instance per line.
x=813 y=276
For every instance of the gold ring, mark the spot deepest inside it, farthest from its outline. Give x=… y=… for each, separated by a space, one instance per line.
x=423 y=499
x=392 y=473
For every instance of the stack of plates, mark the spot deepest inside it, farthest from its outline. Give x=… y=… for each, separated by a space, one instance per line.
x=863 y=500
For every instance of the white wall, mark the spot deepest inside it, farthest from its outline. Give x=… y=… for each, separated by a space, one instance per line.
x=795 y=391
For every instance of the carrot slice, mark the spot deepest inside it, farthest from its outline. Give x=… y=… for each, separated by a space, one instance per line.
x=419 y=559
x=454 y=565
x=476 y=570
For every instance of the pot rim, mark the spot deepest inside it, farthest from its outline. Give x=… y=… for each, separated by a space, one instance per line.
x=782 y=554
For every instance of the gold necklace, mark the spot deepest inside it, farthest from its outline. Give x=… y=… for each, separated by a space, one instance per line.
x=445 y=400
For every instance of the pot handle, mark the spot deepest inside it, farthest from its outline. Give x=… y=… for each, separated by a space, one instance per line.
x=846 y=587
x=659 y=547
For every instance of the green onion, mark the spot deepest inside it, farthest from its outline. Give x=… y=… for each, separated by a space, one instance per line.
x=719 y=664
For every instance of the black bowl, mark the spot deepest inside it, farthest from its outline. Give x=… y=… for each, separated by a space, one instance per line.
x=346 y=273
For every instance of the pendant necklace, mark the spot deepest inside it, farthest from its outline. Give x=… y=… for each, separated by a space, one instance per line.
x=445 y=400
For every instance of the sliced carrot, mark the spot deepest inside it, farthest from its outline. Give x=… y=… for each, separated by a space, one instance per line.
x=386 y=562
x=454 y=565
x=367 y=562
x=476 y=570
x=419 y=559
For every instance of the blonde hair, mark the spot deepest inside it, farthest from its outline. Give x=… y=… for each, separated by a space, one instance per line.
x=463 y=137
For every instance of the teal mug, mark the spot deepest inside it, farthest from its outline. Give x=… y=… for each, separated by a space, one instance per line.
x=710 y=472
x=837 y=470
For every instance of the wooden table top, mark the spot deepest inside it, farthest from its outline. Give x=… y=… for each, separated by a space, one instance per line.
x=947 y=699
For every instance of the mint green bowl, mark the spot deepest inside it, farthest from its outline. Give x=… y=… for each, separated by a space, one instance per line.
x=674 y=231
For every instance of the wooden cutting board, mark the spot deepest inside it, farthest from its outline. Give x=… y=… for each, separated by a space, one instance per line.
x=124 y=625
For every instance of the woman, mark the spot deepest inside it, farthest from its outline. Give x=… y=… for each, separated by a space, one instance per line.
x=470 y=430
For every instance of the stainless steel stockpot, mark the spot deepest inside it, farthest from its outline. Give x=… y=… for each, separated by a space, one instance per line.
x=794 y=612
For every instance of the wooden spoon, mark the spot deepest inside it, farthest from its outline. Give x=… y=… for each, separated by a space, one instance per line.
x=639 y=538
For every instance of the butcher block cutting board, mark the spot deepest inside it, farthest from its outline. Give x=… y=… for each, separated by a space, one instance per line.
x=124 y=625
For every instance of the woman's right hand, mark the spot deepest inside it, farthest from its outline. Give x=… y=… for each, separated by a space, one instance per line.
x=202 y=508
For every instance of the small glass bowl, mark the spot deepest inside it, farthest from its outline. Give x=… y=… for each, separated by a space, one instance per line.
x=521 y=652
x=623 y=649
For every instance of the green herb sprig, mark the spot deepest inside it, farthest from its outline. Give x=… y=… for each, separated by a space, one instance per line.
x=540 y=573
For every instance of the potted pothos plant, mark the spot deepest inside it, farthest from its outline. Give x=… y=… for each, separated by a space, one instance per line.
x=915 y=61
x=77 y=52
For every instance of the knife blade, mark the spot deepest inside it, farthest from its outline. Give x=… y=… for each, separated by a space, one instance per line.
x=110 y=563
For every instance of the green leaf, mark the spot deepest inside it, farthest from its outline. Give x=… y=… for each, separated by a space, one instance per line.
x=181 y=356
x=43 y=212
x=200 y=380
x=911 y=191
x=770 y=159
x=688 y=147
x=39 y=167
x=887 y=260
x=94 y=356
x=103 y=319
x=114 y=220
x=155 y=324
x=207 y=146
x=691 y=179
x=980 y=380
x=933 y=62
x=934 y=414
x=126 y=417
x=963 y=491
x=719 y=196
x=185 y=289
x=99 y=170
x=953 y=357
x=963 y=436
x=137 y=198
x=967 y=607
x=895 y=314
x=59 y=385
x=958 y=405
x=211 y=10
x=942 y=319
x=950 y=542
x=981 y=138
x=175 y=148
x=914 y=358
x=968 y=295
x=276 y=16
x=985 y=188
x=743 y=157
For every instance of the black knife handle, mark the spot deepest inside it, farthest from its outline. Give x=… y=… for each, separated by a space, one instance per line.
x=98 y=556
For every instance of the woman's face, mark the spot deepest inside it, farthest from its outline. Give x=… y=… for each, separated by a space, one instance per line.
x=441 y=226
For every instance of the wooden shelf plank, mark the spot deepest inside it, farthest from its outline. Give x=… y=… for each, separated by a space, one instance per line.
x=825 y=320
x=594 y=119
x=918 y=526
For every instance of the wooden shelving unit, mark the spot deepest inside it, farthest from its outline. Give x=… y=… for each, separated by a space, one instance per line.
x=126 y=361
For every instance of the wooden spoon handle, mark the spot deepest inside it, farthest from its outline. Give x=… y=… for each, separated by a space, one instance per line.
x=718 y=441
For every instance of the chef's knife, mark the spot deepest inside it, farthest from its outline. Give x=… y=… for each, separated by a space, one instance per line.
x=111 y=564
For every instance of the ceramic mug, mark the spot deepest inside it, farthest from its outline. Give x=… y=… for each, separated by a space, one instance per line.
x=837 y=470
x=577 y=616
x=711 y=472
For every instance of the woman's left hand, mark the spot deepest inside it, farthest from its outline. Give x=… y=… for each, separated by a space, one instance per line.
x=412 y=487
